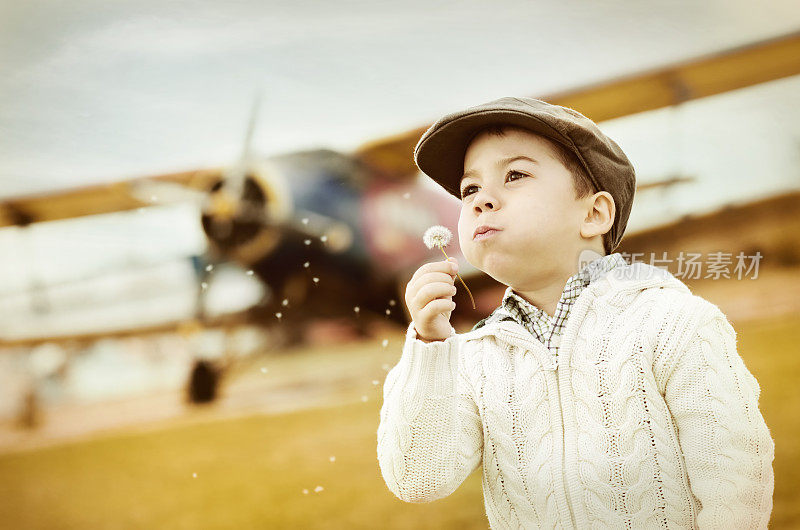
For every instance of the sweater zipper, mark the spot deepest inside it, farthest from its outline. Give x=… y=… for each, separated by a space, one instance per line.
x=564 y=483
x=557 y=366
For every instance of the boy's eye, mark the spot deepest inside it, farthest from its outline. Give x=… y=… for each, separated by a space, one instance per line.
x=469 y=190
x=466 y=191
x=515 y=172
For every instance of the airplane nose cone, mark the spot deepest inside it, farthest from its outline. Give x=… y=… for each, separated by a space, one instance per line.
x=230 y=221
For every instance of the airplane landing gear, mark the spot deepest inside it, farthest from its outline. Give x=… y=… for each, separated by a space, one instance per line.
x=203 y=382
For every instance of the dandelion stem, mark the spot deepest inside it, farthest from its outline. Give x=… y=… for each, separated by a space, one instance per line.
x=462 y=280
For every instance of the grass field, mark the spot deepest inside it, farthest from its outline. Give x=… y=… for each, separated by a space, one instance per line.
x=251 y=472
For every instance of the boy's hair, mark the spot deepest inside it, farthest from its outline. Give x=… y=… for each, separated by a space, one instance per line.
x=580 y=179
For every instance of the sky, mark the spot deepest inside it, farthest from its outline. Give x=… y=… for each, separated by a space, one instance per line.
x=97 y=92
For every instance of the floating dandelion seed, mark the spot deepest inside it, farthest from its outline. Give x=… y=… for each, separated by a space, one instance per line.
x=305 y=491
x=392 y=302
x=279 y=315
x=307 y=242
x=305 y=220
x=316 y=280
x=332 y=459
x=249 y=273
x=263 y=370
x=356 y=309
x=364 y=399
x=204 y=285
x=388 y=311
x=194 y=475
x=385 y=366
x=209 y=267
x=375 y=382
x=323 y=238
x=285 y=302
x=406 y=195
x=440 y=236
x=318 y=489
x=385 y=342
x=306 y=264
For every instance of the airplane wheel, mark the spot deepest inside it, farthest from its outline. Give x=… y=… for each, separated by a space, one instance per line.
x=30 y=415
x=203 y=382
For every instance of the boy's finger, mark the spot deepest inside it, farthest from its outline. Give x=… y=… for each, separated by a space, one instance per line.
x=441 y=265
x=434 y=277
x=425 y=281
x=434 y=266
x=436 y=306
x=433 y=291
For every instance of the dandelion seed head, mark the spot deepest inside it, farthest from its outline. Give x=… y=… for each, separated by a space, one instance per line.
x=318 y=489
x=437 y=236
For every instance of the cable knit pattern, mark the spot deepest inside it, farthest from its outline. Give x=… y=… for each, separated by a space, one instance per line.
x=649 y=420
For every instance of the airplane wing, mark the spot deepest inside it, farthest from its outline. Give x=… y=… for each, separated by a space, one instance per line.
x=101 y=198
x=391 y=157
x=649 y=90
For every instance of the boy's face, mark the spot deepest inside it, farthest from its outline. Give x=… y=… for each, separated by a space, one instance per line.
x=531 y=203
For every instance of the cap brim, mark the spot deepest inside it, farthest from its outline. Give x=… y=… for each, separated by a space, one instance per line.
x=440 y=151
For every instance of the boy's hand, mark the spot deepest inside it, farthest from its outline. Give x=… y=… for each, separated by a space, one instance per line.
x=429 y=297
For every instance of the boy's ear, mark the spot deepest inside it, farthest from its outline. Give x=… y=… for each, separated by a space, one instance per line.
x=600 y=214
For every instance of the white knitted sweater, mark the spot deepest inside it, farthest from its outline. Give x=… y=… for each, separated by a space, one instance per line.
x=649 y=419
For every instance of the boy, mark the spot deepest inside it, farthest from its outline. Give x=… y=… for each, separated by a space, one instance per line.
x=599 y=395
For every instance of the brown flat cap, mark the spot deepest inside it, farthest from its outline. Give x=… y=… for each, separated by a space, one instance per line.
x=440 y=151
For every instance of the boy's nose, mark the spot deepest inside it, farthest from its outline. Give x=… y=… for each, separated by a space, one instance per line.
x=487 y=205
x=485 y=202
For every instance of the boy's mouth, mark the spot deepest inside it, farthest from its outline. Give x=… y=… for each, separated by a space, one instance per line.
x=484 y=231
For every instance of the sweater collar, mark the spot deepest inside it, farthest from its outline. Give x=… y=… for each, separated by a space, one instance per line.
x=535 y=319
x=620 y=280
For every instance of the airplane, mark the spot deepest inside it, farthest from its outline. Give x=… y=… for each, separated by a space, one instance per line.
x=339 y=234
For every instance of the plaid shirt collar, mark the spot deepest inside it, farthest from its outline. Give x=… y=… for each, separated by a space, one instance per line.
x=535 y=320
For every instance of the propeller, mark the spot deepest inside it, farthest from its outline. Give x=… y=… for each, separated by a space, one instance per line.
x=249 y=192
